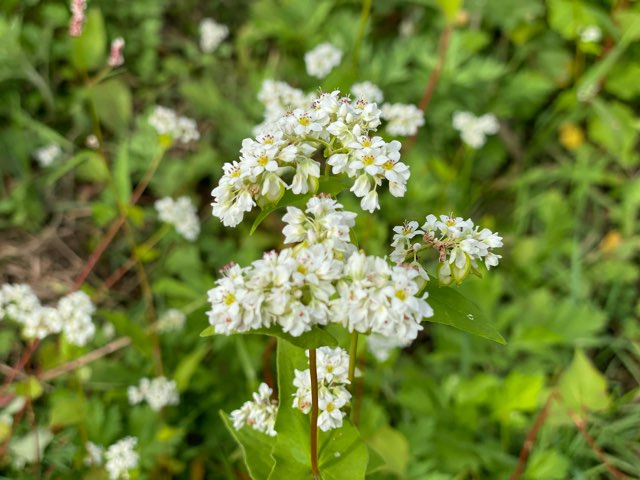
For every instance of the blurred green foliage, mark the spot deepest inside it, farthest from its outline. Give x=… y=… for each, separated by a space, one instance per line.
x=560 y=182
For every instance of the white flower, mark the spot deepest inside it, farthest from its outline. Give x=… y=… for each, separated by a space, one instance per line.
x=259 y=414
x=42 y=322
x=182 y=214
x=590 y=34
x=367 y=91
x=158 y=393
x=121 y=457
x=473 y=130
x=94 y=454
x=332 y=366
x=75 y=310
x=167 y=123
x=381 y=346
x=212 y=34
x=47 y=155
x=172 y=320
x=404 y=120
x=322 y=59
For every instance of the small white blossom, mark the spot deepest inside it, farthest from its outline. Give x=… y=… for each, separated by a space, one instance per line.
x=367 y=91
x=590 y=34
x=121 y=457
x=332 y=366
x=47 y=155
x=212 y=34
x=381 y=346
x=474 y=130
x=259 y=414
x=76 y=310
x=322 y=59
x=94 y=454
x=172 y=320
x=157 y=392
x=167 y=123
x=404 y=119
x=182 y=214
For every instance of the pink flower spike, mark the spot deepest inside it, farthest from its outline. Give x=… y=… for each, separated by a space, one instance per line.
x=76 y=24
x=116 y=58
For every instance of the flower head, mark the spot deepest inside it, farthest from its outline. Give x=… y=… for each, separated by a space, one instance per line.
x=322 y=59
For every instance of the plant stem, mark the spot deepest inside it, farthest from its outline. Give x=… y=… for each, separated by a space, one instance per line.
x=364 y=18
x=314 y=414
x=353 y=352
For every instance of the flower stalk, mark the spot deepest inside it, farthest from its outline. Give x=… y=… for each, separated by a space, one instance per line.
x=314 y=414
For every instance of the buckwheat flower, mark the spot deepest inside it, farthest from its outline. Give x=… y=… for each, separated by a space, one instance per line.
x=322 y=59
x=181 y=213
x=332 y=368
x=75 y=311
x=323 y=221
x=367 y=91
x=474 y=130
x=47 y=155
x=116 y=57
x=172 y=320
x=42 y=322
x=259 y=413
x=279 y=98
x=381 y=346
x=18 y=302
x=76 y=23
x=94 y=454
x=167 y=123
x=404 y=120
x=212 y=34
x=157 y=392
x=121 y=457
x=590 y=34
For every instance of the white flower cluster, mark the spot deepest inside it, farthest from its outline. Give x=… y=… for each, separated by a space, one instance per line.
x=332 y=366
x=404 y=119
x=212 y=34
x=279 y=98
x=167 y=123
x=94 y=454
x=121 y=457
x=47 y=155
x=367 y=91
x=459 y=243
x=72 y=316
x=590 y=34
x=158 y=393
x=259 y=414
x=323 y=279
x=172 y=320
x=322 y=59
x=381 y=346
x=474 y=130
x=180 y=213
x=324 y=223
x=333 y=124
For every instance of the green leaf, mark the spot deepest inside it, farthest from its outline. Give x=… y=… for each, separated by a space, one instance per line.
x=519 y=393
x=393 y=447
x=314 y=338
x=30 y=447
x=112 y=101
x=88 y=50
x=582 y=387
x=452 y=308
x=187 y=367
x=331 y=185
x=256 y=448
x=342 y=453
x=66 y=409
x=29 y=388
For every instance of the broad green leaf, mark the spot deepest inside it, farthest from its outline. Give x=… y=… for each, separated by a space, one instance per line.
x=452 y=308
x=342 y=453
x=393 y=447
x=582 y=387
x=112 y=101
x=187 y=367
x=314 y=338
x=519 y=393
x=256 y=448
x=66 y=409
x=547 y=464
x=89 y=49
x=450 y=8
x=29 y=388
x=332 y=185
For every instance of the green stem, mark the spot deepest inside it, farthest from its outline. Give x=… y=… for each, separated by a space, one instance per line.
x=364 y=18
x=314 y=414
x=353 y=353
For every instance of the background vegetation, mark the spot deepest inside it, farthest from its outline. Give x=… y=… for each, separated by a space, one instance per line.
x=560 y=182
